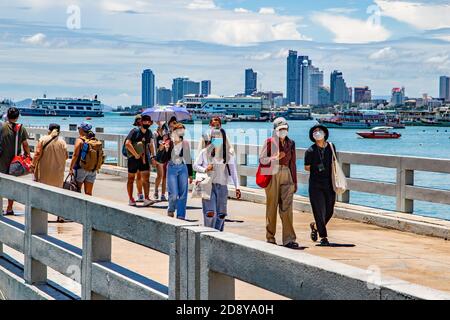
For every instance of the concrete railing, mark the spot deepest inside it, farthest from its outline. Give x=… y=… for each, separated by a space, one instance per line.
x=203 y=263
x=403 y=189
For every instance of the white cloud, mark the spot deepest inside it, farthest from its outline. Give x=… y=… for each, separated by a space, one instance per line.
x=350 y=30
x=384 y=54
x=280 y=54
x=267 y=11
x=241 y=10
x=422 y=15
x=39 y=39
x=202 y=4
x=341 y=10
x=440 y=59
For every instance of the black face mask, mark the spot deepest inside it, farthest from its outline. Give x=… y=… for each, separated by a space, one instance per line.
x=145 y=126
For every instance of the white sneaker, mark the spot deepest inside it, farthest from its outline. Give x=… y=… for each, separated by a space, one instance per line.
x=148 y=202
x=132 y=203
x=140 y=198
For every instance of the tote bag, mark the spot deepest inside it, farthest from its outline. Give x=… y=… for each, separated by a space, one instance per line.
x=337 y=175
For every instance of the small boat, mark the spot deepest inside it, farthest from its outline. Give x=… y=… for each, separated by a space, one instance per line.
x=88 y=118
x=380 y=133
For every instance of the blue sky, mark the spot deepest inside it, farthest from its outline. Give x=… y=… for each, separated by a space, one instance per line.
x=379 y=43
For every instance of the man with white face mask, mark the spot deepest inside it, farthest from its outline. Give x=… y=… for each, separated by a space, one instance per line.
x=318 y=161
x=278 y=156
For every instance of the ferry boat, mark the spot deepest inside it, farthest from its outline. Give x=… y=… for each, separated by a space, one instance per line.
x=440 y=117
x=64 y=107
x=380 y=133
x=203 y=114
x=299 y=113
x=362 y=119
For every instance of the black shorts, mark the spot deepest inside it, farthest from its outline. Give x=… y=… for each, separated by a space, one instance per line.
x=135 y=165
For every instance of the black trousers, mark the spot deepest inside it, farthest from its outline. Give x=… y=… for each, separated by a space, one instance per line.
x=323 y=199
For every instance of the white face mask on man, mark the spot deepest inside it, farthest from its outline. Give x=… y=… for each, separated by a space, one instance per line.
x=319 y=135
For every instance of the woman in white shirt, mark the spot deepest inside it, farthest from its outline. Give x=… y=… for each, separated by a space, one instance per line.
x=218 y=162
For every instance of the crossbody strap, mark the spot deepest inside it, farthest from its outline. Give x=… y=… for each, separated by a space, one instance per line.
x=48 y=142
x=332 y=150
x=17 y=131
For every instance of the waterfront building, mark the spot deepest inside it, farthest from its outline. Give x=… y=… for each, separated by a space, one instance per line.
x=269 y=98
x=398 y=97
x=339 y=92
x=163 y=96
x=251 y=82
x=148 y=88
x=206 y=87
x=182 y=87
x=362 y=94
x=236 y=106
x=444 y=88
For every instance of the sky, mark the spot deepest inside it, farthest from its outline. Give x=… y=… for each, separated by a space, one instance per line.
x=80 y=48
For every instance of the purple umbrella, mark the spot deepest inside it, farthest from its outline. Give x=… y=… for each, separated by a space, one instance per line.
x=165 y=113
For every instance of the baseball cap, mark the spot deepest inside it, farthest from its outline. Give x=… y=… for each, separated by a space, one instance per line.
x=86 y=127
x=280 y=123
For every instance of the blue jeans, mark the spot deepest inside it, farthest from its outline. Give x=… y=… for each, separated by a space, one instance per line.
x=177 y=186
x=215 y=209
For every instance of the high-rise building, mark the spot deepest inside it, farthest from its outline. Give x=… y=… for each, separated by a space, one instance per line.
x=148 y=88
x=444 y=88
x=251 y=82
x=291 y=77
x=398 y=96
x=163 y=96
x=339 y=92
x=183 y=86
x=206 y=87
x=362 y=94
x=303 y=80
x=324 y=96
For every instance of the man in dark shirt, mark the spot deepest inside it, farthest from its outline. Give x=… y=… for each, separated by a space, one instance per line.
x=8 y=146
x=318 y=161
x=141 y=152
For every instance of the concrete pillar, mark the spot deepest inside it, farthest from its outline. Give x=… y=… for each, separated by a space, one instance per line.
x=346 y=196
x=242 y=160
x=36 y=223
x=218 y=287
x=121 y=160
x=96 y=248
x=100 y=130
x=405 y=177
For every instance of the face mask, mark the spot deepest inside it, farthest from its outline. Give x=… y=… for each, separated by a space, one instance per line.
x=145 y=126
x=282 y=134
x=318 y=135
x=216 y=142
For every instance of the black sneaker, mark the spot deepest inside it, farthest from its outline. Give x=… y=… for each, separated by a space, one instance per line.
x=324 y=242
x=292 y=245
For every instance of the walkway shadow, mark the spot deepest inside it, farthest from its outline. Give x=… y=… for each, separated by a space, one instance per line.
x=300 y=248
x=337 y=245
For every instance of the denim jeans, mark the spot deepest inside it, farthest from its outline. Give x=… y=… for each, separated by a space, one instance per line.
x=215 y=209
x=177 y=186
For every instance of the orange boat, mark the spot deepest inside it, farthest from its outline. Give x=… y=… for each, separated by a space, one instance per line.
x=380 y=133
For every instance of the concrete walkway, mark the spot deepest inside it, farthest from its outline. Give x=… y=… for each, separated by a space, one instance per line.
x=414 y=258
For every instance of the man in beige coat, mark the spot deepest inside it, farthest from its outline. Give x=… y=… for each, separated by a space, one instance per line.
x=49 y=162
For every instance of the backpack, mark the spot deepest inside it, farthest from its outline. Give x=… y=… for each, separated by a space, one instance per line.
x=92 y=155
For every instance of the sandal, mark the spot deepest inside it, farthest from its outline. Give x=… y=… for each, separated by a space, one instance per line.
x=8 y=213
x=313 y=232
x=272 y=241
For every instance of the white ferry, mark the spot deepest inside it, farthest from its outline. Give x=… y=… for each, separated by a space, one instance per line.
x=64 y=107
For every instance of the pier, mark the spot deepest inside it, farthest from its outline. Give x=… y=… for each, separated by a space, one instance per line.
x=112 y=251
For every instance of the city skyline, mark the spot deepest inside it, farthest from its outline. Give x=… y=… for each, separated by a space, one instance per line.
x=42 y=55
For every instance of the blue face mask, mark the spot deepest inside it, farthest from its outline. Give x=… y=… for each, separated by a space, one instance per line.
x=216 y=142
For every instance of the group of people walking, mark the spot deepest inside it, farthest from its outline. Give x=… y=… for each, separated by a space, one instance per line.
x=212 y=171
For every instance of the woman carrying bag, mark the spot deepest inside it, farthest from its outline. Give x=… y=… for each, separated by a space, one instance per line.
x=321 y=162
x=217 y=162
x=279 y=171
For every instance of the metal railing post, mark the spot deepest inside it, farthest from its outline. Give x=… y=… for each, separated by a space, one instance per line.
x=36 y=223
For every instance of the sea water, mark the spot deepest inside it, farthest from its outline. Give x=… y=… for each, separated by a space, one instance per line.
x=430 y=142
